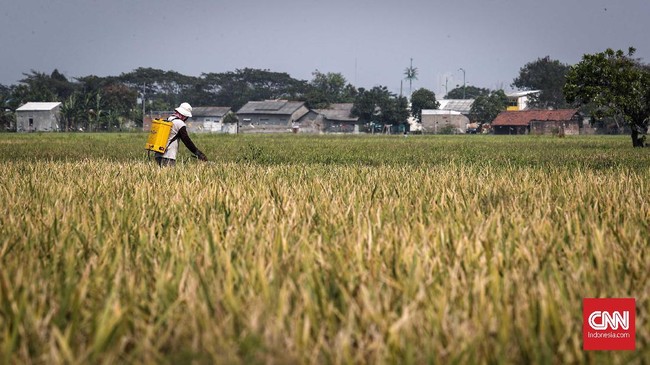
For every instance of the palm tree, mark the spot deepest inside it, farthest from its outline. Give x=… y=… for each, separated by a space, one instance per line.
x=411 y=74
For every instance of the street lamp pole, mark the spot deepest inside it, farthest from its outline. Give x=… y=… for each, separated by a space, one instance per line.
x=462 y=69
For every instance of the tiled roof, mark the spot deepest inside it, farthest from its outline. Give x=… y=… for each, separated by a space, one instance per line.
x=339 y=112
x=281 y=107
x=524 y=117
x=210 y=111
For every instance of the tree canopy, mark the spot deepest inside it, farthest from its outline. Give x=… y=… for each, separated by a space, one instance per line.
x=546 y=75
x=380 y=106
x=422 y=99
x=410 y=74
x=101 y=103
x=616 y=85
x=486 y=107
x=471 y=92
x=329 y=88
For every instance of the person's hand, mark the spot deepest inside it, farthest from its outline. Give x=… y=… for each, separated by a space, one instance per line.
x=201 y=156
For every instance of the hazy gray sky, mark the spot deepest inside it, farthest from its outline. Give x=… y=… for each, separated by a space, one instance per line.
x=370 y=42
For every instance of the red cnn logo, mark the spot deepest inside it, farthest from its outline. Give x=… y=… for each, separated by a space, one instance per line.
x=608 y=323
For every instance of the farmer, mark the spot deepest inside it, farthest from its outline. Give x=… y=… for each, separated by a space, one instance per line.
x=178 y=131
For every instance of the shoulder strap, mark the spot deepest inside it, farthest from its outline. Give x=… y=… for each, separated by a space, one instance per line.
x=175 y=137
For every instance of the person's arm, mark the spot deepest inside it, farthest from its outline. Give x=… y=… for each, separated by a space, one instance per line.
x=183 y=136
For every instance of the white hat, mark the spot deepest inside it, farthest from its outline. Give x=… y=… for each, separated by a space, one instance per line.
x=185 y=109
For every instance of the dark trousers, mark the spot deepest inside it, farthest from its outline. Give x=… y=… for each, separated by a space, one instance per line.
x=163 y=162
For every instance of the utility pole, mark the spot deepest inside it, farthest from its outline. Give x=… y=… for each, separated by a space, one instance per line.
x=462 y=69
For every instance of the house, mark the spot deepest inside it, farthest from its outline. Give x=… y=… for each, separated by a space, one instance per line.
x=209 y=119
x=270 y=116
x=519 y=100
x=567 y=121
x=335 y=119
x=38 y=117
x=436 y=121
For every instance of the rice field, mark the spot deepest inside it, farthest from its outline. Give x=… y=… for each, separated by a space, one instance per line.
x=319 y=249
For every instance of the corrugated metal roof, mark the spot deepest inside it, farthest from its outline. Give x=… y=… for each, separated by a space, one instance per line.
x=524 y=117
x=210 y=111
x=518 y=94
x=439 y=112
x=459 y=105
x=37 y=106
x=271 y=107
x=339 y=112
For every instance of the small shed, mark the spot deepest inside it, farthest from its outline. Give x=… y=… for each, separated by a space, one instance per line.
x=38 y=117
x=538 y=122
x=209 y=119
x=270 y=116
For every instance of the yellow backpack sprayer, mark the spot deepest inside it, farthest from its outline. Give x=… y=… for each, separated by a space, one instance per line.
x=158 y=135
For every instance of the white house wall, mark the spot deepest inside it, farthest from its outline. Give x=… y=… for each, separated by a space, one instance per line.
x=42 y=121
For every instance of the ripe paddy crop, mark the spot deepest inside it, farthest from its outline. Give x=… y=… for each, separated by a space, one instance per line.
x=293 y=249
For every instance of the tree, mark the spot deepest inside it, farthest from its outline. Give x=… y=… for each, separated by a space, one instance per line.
x=94 y=109
x=7 y=117
x=241 y=86
x=422 y=99
x=616 y=85
x=379 y=106
x=546 y=75
x=120 y=102
x=35 y=87
x=411 y=73
x=165 y=88
x=367 y=105
x=230 y=117
x=72 y=112
x=329 y=88
x=486 y=107
x=471 y=92
x=396 y=111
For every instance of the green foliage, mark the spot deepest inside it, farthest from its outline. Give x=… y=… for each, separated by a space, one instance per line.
x=329 y=88
x=37 y=87
x=7 y=117
x=161 y=91
x=163 y=87
x=615 y=85
x=548 y=76
x=486 y=107
x=72 y=112
x=471 y=92
x=410 y=74
x=236 y=88
x=422 y=99
x=230 y=117
x=380 y=106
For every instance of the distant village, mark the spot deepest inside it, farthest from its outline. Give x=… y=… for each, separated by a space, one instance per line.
x=284 y=116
